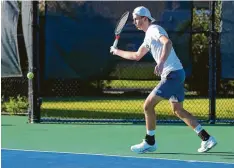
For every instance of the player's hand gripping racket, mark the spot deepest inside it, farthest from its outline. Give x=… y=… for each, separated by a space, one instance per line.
x=119 y=27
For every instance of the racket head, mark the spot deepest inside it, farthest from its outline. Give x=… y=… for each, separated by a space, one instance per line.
x=122 y=21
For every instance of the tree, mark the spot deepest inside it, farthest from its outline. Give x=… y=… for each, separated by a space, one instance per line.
x=199 y=80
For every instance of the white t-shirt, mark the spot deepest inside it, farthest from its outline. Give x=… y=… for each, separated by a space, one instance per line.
x=151 y=41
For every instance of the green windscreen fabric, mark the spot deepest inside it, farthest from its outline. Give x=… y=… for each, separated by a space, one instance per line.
x=10 y=61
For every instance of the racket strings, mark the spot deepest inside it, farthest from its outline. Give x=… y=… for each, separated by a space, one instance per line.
x=121 y=23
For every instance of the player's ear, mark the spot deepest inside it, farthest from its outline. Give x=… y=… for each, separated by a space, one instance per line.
x=146 y=18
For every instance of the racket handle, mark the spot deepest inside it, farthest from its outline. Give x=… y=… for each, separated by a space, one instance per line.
x=116 y=41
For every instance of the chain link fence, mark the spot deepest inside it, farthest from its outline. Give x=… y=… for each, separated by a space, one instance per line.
x=116 y=96
x=106 y=101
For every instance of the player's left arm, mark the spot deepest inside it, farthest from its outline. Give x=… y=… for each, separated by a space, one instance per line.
x=167 y=45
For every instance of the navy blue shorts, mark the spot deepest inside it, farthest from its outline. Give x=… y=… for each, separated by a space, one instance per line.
x=172 y=87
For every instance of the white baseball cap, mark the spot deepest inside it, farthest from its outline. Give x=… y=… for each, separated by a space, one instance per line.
x=143 y=11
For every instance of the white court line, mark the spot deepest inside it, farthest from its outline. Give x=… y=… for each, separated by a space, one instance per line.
x=106 y=155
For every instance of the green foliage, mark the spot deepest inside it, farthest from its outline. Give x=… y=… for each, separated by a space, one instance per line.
x=199 y=81
x=201 y=21
x=41 y=7
x=3 y=106
x=16 y=105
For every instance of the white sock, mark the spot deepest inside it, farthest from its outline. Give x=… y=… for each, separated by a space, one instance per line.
x=150 y=132
x=198 y=129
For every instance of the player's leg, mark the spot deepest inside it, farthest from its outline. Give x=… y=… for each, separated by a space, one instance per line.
x=150 y=116
x=179 y=111
x=208 y=141
x=177 y=107
x=149 y=144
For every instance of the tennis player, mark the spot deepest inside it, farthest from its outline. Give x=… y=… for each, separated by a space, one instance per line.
x=170 y=87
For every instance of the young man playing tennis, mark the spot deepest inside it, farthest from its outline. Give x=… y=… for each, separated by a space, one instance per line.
x=171 y=86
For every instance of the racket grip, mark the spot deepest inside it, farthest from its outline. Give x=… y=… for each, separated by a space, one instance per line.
x=116 y=41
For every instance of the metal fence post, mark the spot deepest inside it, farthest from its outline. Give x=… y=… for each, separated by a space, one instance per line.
x=212 y=65
x=34 y=100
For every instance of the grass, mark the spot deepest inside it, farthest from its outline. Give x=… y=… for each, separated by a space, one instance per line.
x=130 y=107
x=109 y=107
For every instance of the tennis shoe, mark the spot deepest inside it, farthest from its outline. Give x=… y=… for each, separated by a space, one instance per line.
x=143 y=147
x=207 y=145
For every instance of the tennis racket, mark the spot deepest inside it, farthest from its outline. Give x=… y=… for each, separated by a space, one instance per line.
x=119 y=27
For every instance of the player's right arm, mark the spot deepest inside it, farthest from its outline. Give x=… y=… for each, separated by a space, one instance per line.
x=129 y=54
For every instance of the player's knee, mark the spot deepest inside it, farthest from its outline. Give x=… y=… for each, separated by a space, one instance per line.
x=178 y=111
x=147 y=107
x=182 y=113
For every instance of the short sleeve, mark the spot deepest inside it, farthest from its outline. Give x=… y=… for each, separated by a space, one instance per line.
x=156 y=32
x=146 y=43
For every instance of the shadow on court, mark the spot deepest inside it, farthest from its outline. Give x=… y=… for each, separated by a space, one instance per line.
x=7 y=125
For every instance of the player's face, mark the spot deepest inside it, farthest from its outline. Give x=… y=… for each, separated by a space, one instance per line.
x=138 y=21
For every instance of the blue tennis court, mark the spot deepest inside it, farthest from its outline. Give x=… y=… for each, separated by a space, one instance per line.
x=39 y=159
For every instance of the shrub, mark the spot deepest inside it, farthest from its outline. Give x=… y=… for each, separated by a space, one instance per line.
x=16 y=105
